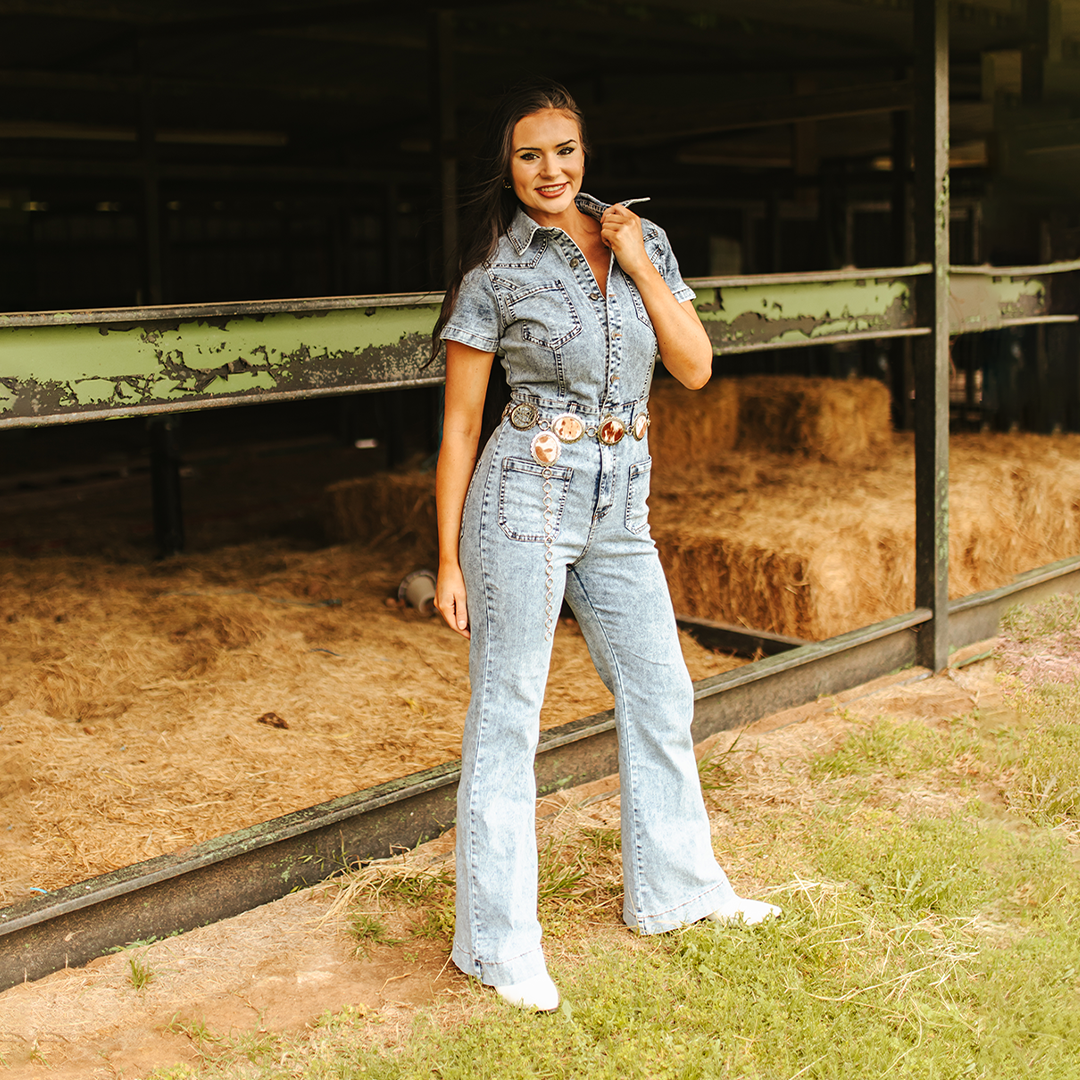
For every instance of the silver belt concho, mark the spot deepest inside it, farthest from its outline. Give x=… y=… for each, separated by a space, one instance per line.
x=568 y=428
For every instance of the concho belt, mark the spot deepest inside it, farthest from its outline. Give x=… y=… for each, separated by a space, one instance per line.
x=569 y=428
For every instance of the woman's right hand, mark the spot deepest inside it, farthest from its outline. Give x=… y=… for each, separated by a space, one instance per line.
x=450 y=599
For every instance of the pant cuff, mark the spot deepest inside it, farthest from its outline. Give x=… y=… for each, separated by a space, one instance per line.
x=504 y=973
x=683 y=915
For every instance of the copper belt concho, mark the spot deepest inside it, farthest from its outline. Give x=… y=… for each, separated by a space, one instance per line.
x=568 y=428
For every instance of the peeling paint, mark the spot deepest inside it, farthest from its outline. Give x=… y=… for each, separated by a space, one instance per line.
x=780 y=313
x=982 y=301
x=129 y=368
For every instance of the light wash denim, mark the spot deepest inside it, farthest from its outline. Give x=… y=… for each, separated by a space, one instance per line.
x=567 y=352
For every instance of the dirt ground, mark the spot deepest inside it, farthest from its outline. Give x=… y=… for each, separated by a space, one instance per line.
x=281 y=967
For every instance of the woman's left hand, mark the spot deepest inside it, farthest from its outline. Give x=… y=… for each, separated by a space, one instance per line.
x=620 y=230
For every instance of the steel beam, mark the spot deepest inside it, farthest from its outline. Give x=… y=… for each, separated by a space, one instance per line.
x=64 y=367
x=783 y=311
x=61 y=367
x=723 y=637
x=931 y=141
x=992 y=297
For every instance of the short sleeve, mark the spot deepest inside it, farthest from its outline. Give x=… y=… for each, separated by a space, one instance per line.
x=475 y=319
x=668 y=266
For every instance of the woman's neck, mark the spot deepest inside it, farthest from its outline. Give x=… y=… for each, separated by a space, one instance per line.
x=571 y=220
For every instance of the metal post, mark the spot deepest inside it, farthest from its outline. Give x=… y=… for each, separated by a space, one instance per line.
x=445 y=111
x=932 y=304
x=165 y=485
x=152 y=247
x=1033 y=55
x=391 y=240
x=900 y=227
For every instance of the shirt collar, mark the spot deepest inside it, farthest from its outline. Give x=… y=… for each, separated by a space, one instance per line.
x=523 y=228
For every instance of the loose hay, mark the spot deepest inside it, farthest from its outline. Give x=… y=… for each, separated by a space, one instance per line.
x=137 y=698
x=131 y=694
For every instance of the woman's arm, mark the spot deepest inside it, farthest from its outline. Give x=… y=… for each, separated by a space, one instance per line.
x=467 y=371
x=684 y=346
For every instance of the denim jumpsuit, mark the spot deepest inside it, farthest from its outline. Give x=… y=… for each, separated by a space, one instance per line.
x=534 y=531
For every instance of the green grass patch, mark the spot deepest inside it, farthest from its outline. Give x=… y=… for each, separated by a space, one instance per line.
x=900 y=748
x=1058 y=614
x=930 y=935
x=1045 y=785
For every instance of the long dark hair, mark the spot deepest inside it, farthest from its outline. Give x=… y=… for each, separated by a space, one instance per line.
x=489 y=205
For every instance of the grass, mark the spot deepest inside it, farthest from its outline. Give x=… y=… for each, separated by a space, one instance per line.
x=141 y=974
x=930 y=880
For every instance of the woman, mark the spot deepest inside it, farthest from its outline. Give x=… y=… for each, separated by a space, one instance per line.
x=576 y=298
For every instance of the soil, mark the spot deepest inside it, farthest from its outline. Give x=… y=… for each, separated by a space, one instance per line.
x=283 y=966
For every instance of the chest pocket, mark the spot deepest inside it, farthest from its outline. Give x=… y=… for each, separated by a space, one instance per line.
x=545 y=315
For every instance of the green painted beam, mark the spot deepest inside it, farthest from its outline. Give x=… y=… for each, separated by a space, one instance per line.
x=780 y=311
x=63 y=367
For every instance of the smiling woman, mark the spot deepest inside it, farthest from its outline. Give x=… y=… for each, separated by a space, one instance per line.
x=577 y=298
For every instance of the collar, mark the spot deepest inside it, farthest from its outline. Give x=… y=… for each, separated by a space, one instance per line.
x=523 y=228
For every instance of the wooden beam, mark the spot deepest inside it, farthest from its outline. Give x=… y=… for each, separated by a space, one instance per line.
x=616 y=126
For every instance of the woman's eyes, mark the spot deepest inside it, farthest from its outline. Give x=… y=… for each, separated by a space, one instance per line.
x=563 y=151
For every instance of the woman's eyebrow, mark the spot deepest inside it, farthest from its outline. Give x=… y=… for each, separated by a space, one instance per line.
x=565 y=142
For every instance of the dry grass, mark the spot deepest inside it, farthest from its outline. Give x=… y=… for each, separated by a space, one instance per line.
x=131 y=697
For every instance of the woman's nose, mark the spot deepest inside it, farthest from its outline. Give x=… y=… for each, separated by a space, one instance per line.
x=549 y=165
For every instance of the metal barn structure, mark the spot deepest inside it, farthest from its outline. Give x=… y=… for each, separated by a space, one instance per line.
x=205 y=206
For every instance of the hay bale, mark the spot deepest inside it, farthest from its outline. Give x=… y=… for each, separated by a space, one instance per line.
x=813 y=550
x=836 y=420
x=386 y=510
x=1014 y=505
x=792 y=547
x=692 y=429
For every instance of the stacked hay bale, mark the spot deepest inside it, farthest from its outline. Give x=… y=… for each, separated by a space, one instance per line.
x=807 y=526
x=387 y=510
x=749 y=528
x=844 y=421
x=787 y=504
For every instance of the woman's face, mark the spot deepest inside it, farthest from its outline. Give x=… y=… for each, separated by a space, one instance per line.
x=547 y=162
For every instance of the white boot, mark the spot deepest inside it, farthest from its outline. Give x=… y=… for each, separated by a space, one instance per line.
x=538 y=993
x=748 y=912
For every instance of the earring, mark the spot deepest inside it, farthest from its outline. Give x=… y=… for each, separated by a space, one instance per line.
x=507 y=184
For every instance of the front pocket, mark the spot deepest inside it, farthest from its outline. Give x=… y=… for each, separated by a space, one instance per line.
x=546 y=313
x=637 y=495
x=521 y=498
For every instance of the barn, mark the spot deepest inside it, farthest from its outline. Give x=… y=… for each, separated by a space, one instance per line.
x=223 y=234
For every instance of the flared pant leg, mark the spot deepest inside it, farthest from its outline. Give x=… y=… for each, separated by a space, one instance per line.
x=503 y=558
x=620 y=597
x=605 y=560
